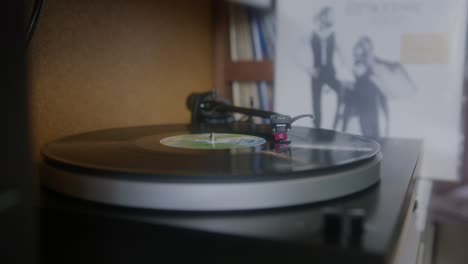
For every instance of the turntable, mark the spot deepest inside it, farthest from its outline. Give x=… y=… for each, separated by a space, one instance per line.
x=229 y=192
x=213 y=164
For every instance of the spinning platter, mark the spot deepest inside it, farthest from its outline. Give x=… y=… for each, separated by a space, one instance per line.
x=210 y=168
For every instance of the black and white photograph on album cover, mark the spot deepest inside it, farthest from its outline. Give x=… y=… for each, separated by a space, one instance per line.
x=366 y=95
x=375 y=68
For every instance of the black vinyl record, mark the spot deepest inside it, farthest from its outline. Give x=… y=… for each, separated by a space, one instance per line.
x=150 y=152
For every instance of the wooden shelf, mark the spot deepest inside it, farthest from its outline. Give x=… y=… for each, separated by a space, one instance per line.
x=226 y=71
x=249 y=71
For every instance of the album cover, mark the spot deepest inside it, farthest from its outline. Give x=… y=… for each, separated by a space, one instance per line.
x=377 y=68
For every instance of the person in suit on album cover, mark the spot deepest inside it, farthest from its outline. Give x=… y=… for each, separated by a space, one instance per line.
x=324 y=46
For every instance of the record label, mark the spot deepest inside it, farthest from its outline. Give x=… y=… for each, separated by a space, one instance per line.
x=212 y=141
